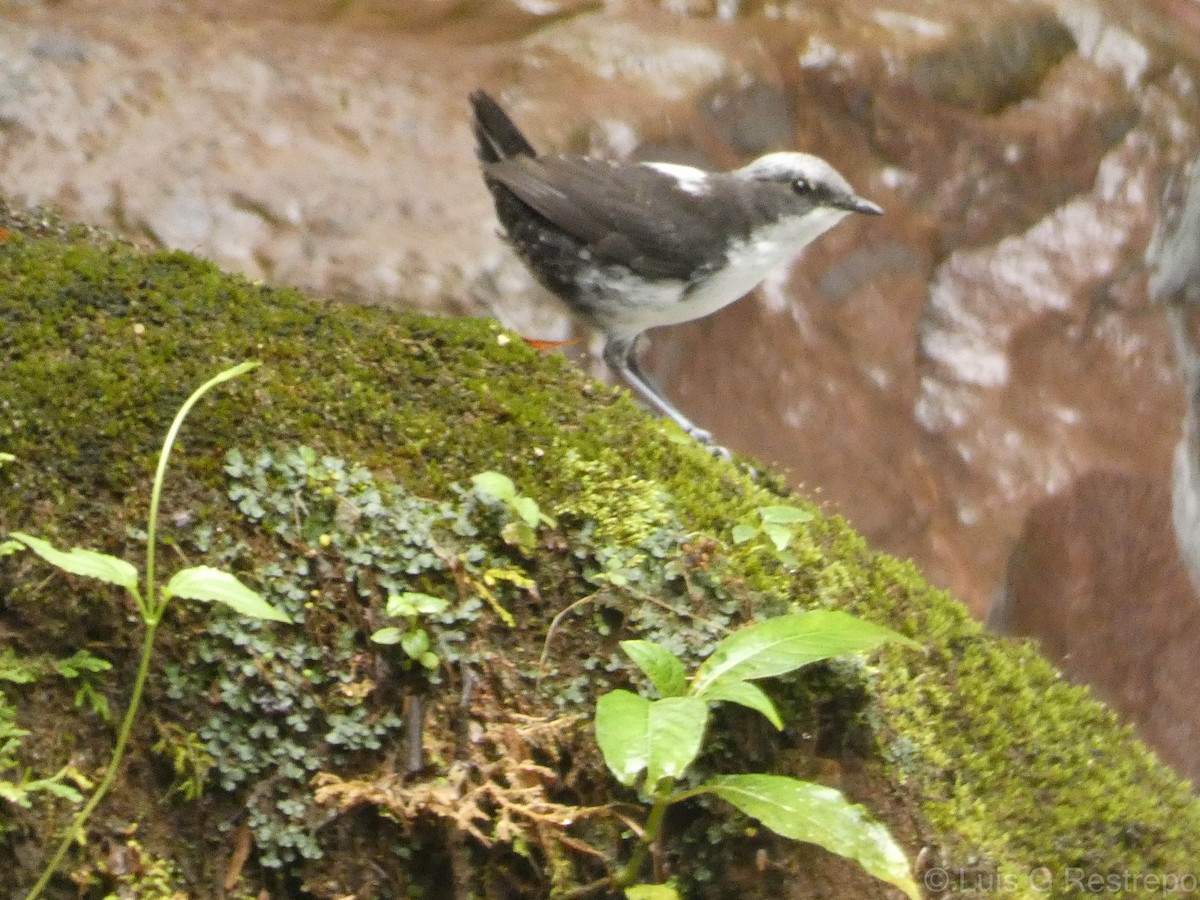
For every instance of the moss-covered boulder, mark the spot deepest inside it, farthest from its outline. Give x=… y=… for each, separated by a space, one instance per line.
x=307 y=760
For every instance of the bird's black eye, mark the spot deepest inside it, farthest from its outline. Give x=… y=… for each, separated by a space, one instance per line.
x=802 y=186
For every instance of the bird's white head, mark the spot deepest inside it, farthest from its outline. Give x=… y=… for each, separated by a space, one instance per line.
x=810 y=177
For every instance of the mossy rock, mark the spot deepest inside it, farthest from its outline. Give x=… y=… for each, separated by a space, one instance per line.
x=306 y=760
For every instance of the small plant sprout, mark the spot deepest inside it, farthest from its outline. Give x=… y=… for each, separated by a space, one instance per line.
x=654 y=742
x=413 y=639
x=526 y=516
x=778 y=524
x=195 y=583
x=84 y=667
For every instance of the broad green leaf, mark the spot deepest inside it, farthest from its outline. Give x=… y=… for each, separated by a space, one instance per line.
x=527 y=509
x=520 y=535
x=87 y=563
x=415 y=643
x=413 y=603
x=676 y=732
x=744 y=694
x=428 y=660
x=622 y=724
x=785 y=643
x=205 y=583
x=744 y=532
x=389 y=635
x=399 y=606
x=494 y=485
x=661 y=666
x=651 y=892
x=7 y=547
x=819 y=815
x=660 y=736
x=779 y=535
x=7 y=458
x=784 y=515
x=427 y=604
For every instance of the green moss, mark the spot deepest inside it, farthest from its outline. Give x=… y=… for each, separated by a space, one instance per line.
x=1005 y=762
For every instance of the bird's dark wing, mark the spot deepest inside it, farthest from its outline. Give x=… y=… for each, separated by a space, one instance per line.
x=622 y=213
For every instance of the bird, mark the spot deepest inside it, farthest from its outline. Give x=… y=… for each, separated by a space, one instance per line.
x=630 y=246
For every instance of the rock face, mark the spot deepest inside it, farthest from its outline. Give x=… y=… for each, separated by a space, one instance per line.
x=1097 y=578
x=936 y=374
x=1106 y=574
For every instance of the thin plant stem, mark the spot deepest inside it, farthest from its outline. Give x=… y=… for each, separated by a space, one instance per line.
x=110 y=773
x=151 y=606
x=154 y=605
x=662 y=799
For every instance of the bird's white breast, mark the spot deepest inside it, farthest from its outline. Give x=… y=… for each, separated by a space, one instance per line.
x=623 y=303
x=751 y=260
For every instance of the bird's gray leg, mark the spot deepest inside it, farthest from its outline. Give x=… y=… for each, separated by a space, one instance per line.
x=620 y=353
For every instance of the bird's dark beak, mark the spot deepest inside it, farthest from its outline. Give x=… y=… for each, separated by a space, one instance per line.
x=859 y=205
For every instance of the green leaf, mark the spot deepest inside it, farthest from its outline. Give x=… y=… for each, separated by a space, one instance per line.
x=779 y=535
x=676 y=731
x=18 y=670
x=8 y=547
x=784 y=515
x=515 y=577
x=15 y=794
x=415 y=643
x=427 y=604
x=527 y=509
x=205 y=583
x=79 y=662
x=7 y=458
x=744 y=532
x=87 y=563
x=746 y=694
x=389 y=635
x=494 y=485
x=819 y=815
x=520 y=535
x=428 y=660
x=57 y=788
x=651 y=892
x=622 y=722
x=780 y=645
x=413 y=603
x=399 y=606
x=661 y=666
x=662 y=736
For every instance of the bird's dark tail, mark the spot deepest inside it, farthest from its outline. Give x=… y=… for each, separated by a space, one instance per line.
x=498 y=138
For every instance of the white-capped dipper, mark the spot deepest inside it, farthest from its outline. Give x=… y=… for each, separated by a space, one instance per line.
x=631 y=246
